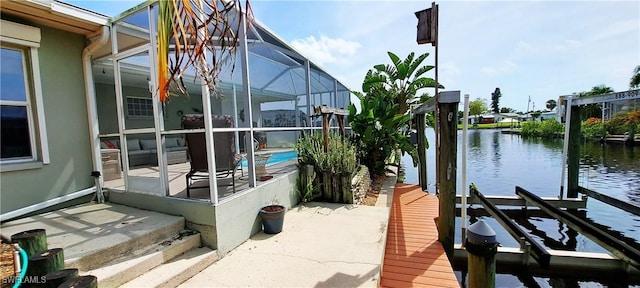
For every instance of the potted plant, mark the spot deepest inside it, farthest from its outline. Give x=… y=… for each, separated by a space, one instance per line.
x=272 y=218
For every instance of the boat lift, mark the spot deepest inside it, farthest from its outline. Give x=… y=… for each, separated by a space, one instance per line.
x=625 y=258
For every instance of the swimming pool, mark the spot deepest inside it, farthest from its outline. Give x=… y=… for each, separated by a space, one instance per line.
x=277 y=157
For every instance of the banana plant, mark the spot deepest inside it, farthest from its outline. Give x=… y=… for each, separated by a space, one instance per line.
x=196 y=35
x=402 y=78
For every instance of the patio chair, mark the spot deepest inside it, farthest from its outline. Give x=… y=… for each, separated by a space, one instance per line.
x=227 y=160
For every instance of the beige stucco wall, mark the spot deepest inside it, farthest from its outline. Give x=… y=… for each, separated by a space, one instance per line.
x=61 y=75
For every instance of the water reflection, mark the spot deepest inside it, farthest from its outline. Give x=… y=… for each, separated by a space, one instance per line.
x=496 y=154
x=497 y=162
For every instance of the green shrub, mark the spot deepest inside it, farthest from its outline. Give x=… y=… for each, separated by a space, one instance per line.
x=551 y=128
x=593 y=128
x=547 y=129
x=379 y=130
x=530 y=129
x=339 y=158
x=623 y=122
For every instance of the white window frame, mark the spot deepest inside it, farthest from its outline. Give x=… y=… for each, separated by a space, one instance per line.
x=139 y=116
x=27 y=39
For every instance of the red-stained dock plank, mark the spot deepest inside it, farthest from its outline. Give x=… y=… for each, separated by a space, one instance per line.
x=414 y=257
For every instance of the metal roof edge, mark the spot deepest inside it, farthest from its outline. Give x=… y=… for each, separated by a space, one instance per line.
x=66 y=9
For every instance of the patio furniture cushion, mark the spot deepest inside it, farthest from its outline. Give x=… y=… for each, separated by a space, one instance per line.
x=148 y=144
x=133 y=144
x=171 y=142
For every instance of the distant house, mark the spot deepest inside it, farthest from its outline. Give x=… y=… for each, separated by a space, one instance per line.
x=502 y=116
x=487 y=119
x=482 y=119
x=548 y=115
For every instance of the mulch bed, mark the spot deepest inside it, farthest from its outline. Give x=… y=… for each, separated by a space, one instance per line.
x=6 y=263
x=374 y=190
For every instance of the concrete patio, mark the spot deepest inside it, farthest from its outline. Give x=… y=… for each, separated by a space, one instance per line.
x=321 y=245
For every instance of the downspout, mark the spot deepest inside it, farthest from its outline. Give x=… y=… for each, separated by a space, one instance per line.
x=92 y=110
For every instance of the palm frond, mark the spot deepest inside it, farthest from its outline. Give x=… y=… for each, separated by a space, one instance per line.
x=204 y=35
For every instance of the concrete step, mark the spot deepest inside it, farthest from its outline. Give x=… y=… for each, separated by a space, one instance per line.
x=94 y=234
x=126 y=268
x=176 y=271
x=114 y=247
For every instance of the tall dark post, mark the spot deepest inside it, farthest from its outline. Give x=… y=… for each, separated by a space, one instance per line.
x=422 y=153
x=428 y=33
x=447 y=167
x=573 y=155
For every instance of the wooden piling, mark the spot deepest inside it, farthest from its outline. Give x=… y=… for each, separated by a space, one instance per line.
x=573 y=154
x=54 y=279
x=88 y=281
x=33 y=242
x=422 y=153
x=46 y=262
x=482 y=247
x=448 y=107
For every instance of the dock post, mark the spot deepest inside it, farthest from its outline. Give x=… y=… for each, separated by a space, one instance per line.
x=573 y=155
x=422 y=152
x=447 y=167
x=482 y=247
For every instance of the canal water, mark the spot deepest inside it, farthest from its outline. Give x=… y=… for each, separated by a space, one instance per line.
x=497 y=162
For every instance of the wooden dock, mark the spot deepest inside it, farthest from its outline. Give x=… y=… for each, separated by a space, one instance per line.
x=414 y=257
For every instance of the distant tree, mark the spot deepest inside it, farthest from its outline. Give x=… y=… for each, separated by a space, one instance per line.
x=495 y=100
x=635 y=79
x=478 y=107
x=535 y=114
x=507 y=110
x=599 y=90
x=551 y=104
x=593 y=110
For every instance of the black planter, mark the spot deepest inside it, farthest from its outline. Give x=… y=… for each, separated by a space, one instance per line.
x=272 y=218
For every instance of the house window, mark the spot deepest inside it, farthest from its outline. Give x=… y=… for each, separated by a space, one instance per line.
x=23 y=134
x=139 y=107
x=15 y=108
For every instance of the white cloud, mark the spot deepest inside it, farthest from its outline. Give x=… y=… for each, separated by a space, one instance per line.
x=326 y=50
x=525 y=48
x=617 y=28
x=566 y=45
x=504 y=67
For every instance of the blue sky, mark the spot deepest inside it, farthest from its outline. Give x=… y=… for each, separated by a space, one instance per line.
x=541 y=49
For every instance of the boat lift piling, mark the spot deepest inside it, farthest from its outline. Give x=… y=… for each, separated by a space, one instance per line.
x=571 y=151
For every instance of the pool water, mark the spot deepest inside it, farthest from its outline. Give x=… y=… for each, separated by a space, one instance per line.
x=277 y=157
